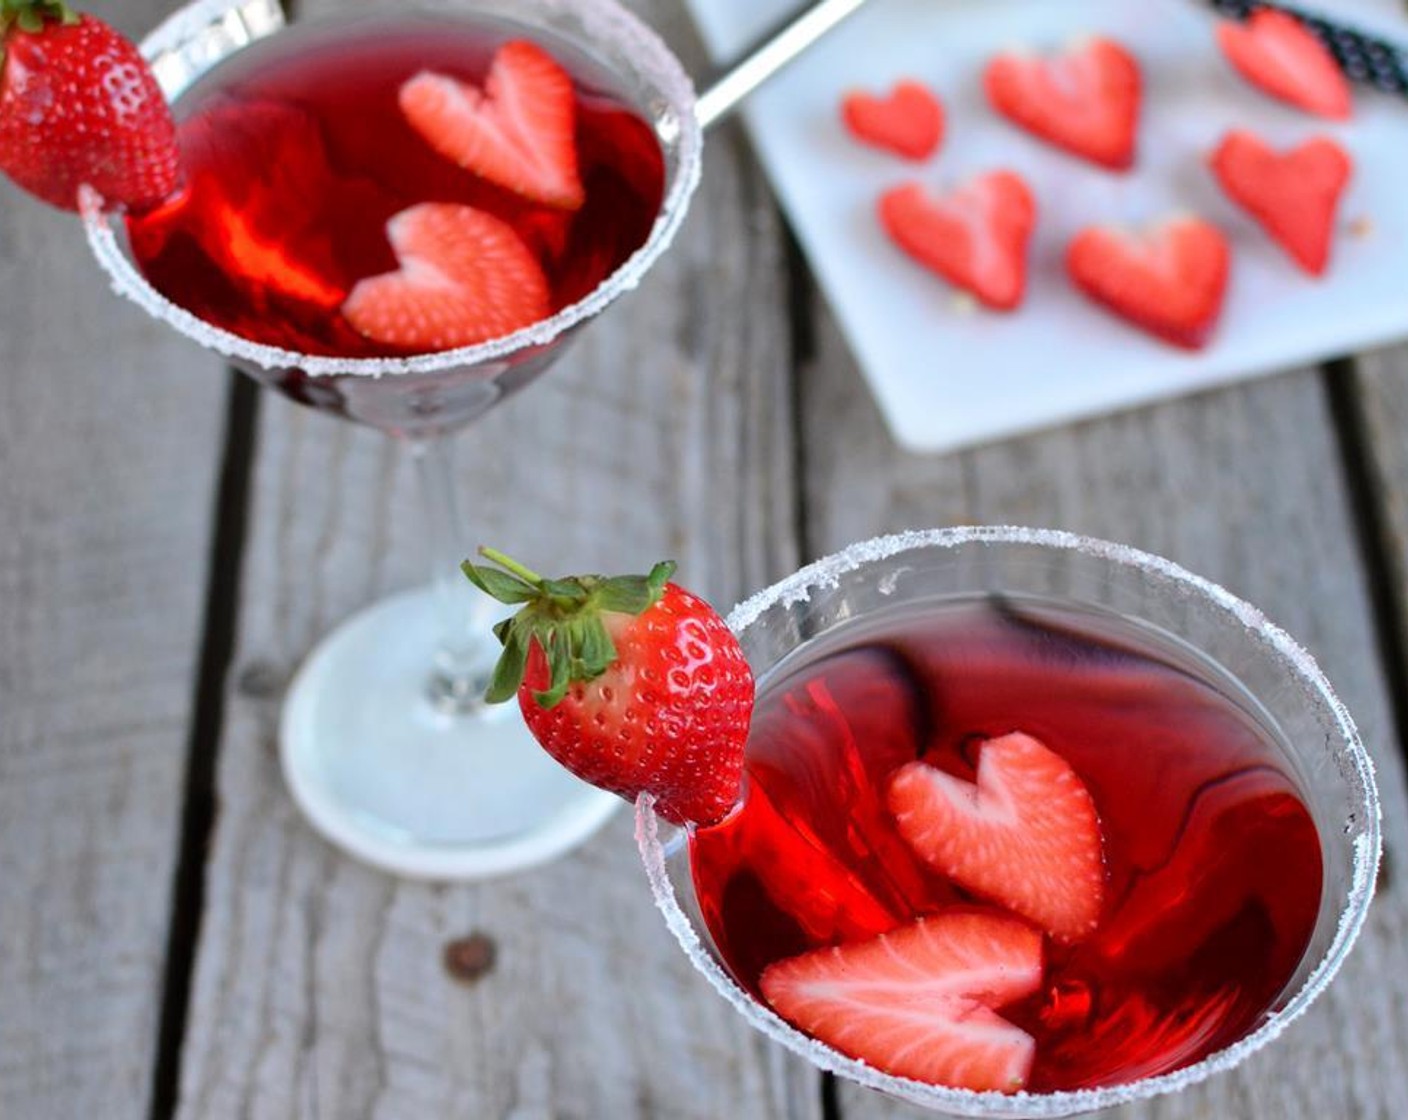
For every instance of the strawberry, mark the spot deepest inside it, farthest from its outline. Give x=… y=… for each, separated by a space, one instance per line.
x=908 y=121
x=1085 y=100
x=518 y=132
x=1026 y=835
x=78 y=105
x=632 y=683
x=919 y=1001
x=465 y=277
x=976 y=237
x=1294 y=194
x=1280 y=55
x=1170 y=280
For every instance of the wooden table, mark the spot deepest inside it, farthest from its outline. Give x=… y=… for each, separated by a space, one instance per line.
x=173 y=937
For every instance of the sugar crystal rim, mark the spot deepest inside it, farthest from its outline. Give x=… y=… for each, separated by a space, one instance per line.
x=1036 y=1106
x=606 y=21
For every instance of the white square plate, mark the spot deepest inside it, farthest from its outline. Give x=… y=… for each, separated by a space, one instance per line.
x=946 y=373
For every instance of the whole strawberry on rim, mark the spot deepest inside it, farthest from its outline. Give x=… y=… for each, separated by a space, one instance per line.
x=631 y=682
x=78 y=105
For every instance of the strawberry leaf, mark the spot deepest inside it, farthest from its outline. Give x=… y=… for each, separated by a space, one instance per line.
x=564 y=617
x=632 y=594
x=561 y=679
x=596 y=651
x=503 y=586
x=30 y=16
x=508 y=673
x=569 y=591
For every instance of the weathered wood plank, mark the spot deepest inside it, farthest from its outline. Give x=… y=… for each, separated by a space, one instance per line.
x=109 y=439
x=320 y=989
x=1244 y=486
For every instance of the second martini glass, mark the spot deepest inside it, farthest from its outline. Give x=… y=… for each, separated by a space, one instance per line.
x=384 y=740
x=805 y=859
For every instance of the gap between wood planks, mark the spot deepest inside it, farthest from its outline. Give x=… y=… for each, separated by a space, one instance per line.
x=230 y=526
x=1387 y=600
x=198 y=809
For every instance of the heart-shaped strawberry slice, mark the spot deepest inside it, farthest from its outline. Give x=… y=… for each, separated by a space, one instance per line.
x=1276 y=52
x=908 y=121
x=975 y=237
x=1025 y=836
x=1085 y=100
x=465 y=277
x=1294 y=195
x=919 y=1001
x=1170 y=280
x=518 y=132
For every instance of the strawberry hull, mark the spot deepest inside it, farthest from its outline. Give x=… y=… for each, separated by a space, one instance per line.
x=1212 y=864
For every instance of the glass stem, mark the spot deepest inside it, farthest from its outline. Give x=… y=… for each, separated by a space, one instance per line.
x=465 y=653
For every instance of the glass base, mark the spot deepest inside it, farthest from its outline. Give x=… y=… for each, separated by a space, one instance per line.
x=390 y=778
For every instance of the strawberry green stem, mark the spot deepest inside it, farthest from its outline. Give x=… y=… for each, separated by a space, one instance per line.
x=509 y=563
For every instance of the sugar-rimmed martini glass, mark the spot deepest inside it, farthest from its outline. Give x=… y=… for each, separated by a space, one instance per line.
x=1220 y=638
x=385 y=742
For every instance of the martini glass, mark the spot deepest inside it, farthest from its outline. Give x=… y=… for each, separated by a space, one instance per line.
x=1220 y=637
x=385 y=743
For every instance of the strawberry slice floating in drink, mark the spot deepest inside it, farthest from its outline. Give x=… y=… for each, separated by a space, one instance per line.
x=975 y=237
x=465 y=277
x=1085 y=100
x=921 y=1001
x=631 y=682
x=518 y=131
x=78 y=106
x=1281 y=56
x=1170 y=280
x=1026 y=835
x=908 y=121
x=1294 y=195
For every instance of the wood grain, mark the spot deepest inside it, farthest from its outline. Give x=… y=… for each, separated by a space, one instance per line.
x=109 y=438
x=320 y=989
x=1244 y=486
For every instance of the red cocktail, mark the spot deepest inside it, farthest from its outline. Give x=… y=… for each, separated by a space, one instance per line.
x=299 y=153
x=1233 y=812
x=1211 y=858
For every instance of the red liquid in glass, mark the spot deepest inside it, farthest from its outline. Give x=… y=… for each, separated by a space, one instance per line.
x=297 y=155
x=1213 y=860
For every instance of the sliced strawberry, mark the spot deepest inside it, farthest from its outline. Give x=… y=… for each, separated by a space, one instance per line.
x=1085 y=100
x=1294 y=194
x=1277 y=53
x=78 y=105
x=465 y=277
x=518 y=132
x=1170 y=280
x=975 y=237
x=919 y=1002
x=1026 y=835
x=909 y=120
